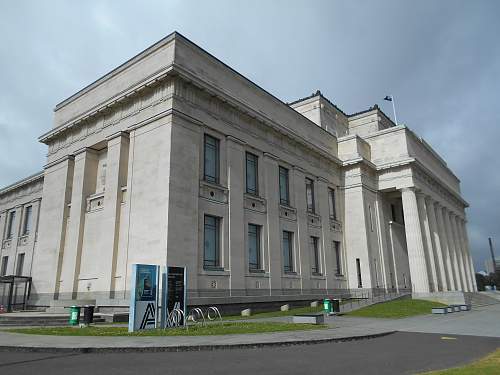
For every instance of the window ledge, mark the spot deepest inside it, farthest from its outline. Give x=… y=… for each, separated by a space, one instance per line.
x=317 y=275
x=256 y=270
x=291 y=275
x=216 y=271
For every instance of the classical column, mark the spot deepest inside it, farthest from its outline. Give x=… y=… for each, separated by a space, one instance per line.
x=116 y=178
x=238 y=262
x=459 y=253
x=438 y=252
x=452 y=249
x=445 y=247
x=416 y=254
x=84 y=181
x=427 y=241
x=465 y=262
x=468 y=256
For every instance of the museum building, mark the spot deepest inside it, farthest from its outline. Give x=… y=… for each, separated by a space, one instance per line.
x=175 y=158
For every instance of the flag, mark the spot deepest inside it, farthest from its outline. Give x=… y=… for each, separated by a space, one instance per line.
x=388 y=98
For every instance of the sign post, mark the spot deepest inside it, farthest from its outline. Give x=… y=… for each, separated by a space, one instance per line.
x=174 y=297
x=144 y=297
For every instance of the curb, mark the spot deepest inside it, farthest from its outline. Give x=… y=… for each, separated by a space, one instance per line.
x=186 y=348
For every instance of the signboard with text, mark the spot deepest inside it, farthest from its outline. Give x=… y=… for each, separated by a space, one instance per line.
x=173 y=297
x=144 y=297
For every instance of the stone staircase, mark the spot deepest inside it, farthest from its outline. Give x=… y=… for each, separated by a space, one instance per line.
x=480 y=299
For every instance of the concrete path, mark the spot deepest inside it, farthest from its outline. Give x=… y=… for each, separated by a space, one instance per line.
x=181 y=343
x=481 y=321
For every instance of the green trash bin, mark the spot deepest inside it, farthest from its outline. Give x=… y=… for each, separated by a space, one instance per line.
x=327 y=306
x=74 y=315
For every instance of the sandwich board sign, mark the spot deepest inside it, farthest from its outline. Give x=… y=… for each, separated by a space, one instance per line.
x=174 y=283
x=144 y=297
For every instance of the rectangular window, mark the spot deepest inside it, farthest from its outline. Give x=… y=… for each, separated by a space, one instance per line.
x=254 y=247
x=211 y=252
x=252 y=174
x=310 y=195
x=284 y=189
x=332 y=203
x=338 y=258
x=211 y=159
x=27 y=220
x=287 y=251
x=313 y=244
x=5 y=262
x=10 y=224
x=20 y=264
x=358 y=270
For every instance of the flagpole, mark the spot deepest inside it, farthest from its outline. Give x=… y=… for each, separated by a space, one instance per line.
x=394 y=110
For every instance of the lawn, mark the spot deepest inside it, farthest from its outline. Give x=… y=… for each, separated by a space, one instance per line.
x=227 y=328
x=273 y=314
x=399 y=308
x=489 y=365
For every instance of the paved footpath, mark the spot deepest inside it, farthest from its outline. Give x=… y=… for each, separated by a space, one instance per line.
x=481 y=321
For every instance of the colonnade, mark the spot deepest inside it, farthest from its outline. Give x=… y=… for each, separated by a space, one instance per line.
x=438 y=246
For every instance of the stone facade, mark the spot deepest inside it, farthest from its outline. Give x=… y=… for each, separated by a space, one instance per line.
x=125 y=182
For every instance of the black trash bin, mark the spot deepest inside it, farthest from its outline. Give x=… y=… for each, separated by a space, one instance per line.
x=336 y=305
x=88 y=314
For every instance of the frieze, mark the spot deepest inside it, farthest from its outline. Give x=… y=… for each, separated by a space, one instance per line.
x=112 y=115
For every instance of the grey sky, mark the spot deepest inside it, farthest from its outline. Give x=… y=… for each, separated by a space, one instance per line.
x=440 y=59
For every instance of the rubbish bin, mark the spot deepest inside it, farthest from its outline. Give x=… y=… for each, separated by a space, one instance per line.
x=336 y=305
x=327 y=306
x=88 y=314
x=74 y=315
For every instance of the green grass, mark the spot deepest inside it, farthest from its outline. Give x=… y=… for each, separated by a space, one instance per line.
x=489 y=365
x=227 y=328
x=273 y=314
x=400 y=308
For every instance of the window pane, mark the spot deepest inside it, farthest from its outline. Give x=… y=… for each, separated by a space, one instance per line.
x=20 y=264
x=310 y=195
x=254 y=246
x=211 y=242
x=5 y=261
x=283 y=180
x=313 y=244
x=27 y=220
x=252 y=173
x=331 y=201
x=211 y=162
x=338 y=262
x=10 y=227
x=287 y=252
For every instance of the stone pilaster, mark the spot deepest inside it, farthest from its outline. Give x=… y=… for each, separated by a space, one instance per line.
x=273 y=222
x=445 y=247
x=84 y=179
x=238 y=262
x=116 y=178
x=416 y=252
x=438 y=252
x=427 y=242
x=47 y=259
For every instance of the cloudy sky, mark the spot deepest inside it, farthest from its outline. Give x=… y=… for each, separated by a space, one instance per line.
x=440 y=59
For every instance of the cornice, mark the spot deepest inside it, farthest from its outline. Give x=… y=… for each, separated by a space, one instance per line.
x=25 y=181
